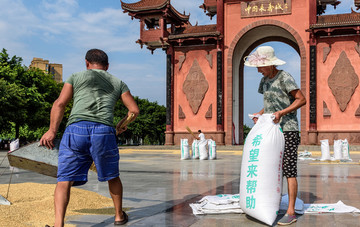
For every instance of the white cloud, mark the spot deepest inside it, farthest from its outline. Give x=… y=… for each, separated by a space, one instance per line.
x=196 y=14
x=16 y=20
x=58 y=10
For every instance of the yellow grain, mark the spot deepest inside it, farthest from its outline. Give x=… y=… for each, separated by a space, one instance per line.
x=32 y=204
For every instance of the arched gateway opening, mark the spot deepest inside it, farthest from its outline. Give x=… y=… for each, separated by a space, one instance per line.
x=248 y=39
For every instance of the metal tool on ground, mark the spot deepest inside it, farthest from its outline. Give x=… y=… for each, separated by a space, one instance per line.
x=189 y=130
x=36 y=158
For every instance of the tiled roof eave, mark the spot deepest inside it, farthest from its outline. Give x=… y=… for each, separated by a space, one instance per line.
x=142 y=9
x=335 y=24
x=194 y=35
x=132 y=7
x=179 y=15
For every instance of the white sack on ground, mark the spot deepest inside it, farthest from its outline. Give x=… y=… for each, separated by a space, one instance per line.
x=338 y=207
x=184 y=146
x=261 y=170
x=222 y=198
x=228 y=203
x=345 y=150
x=195 y=149
x=337 y=149
x=206 y=207
x=212 y=149
x=325 y=150
x=217 y=204
x=203 y=153
x=14 y=145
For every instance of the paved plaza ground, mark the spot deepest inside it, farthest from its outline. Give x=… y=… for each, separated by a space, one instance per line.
x=158 y=187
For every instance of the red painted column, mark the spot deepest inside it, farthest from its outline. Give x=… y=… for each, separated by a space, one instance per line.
x=220 y=28
x=169 y=133
x=312 y=139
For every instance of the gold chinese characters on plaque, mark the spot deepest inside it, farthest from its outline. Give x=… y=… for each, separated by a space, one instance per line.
x=265 y=8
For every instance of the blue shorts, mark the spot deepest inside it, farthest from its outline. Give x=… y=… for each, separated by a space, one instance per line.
x=82 y=143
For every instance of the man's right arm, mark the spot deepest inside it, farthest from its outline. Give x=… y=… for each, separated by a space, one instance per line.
x=56 y=115
x=132 y=107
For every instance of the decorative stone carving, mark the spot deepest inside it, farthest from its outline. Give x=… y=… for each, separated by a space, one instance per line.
x=326 y=52
x=343 y=81
x=326 y=111
x=357 y=48
x=195 y=87
x=181 y=113
x=182 y=58
x=209 y=59
x=357 y=112
x=209 y=112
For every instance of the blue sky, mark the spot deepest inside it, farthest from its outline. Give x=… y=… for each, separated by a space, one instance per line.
x=61 y=31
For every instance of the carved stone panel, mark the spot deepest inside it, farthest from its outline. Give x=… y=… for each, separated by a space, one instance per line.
x=326 y=111
x=181 y=113
x=209 y=112
x=195 y=86
x=343 y=81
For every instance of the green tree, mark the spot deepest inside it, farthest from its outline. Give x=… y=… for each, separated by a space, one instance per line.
x=26 y=95
x=12 y=99
x=149 y=126
x=246 y=131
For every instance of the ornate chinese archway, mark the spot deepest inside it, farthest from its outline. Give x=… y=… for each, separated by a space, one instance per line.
x=205 y=70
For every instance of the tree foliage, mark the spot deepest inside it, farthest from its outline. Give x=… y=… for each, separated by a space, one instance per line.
x=149 y=126
x=246 y=131
x=26 y=95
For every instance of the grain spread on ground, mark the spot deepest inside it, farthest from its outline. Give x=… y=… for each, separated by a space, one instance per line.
x=32 y=204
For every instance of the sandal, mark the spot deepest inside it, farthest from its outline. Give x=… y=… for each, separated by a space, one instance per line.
x=123 y=222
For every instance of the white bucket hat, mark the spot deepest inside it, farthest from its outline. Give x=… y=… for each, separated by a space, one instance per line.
x=263 y=56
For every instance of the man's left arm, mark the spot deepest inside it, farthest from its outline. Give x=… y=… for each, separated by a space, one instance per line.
x=56 y=115
x=298 y=102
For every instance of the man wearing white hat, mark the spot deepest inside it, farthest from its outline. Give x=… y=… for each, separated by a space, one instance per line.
x=282 y=97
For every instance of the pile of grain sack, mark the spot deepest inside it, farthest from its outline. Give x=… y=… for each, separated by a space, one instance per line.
x=261 y=179
x=341 y=150
x=200 y=149
x=261 y=169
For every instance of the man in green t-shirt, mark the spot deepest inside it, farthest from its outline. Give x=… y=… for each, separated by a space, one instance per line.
x=282 y=97
x=90 y=135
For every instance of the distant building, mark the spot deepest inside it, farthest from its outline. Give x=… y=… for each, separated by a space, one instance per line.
x=51 y=68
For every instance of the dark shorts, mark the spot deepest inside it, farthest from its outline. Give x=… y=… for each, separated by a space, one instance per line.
x=85 y=142
x=292 y=141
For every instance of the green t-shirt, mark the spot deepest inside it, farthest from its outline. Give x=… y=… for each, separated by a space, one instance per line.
x=95 y=93
x=277 y=97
